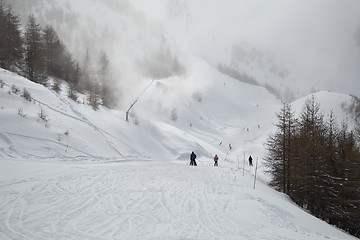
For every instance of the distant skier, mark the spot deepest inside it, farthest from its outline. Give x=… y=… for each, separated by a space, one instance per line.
x=193 y=159
x=216 y=160
x=230 y=147
x=250 y=161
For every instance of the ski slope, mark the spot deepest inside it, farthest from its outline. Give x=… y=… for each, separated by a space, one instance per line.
x=86 y=174
x=146 y=200
x=109 y=179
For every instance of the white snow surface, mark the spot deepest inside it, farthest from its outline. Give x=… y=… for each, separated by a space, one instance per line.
x=110 y=179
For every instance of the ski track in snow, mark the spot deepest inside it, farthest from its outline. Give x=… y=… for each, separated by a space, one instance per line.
x=156 y=200
x=130 y=199
x=82 y=118
x=6 y=137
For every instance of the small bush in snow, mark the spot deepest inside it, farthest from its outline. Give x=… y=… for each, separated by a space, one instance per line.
x=1 y=83
x=72 y=94
x=15 y=90
x=26 y=95
x=21 y=112
x=42 y=115
x=56 y=86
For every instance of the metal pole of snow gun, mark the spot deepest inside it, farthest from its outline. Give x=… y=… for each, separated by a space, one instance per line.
x=127 y=112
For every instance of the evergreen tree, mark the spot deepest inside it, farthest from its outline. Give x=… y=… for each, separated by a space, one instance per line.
x=68 y=65
x=349 y=193
x=76 y=75
x=11 y=50
x=90 y=83
x=74 y=83
x=311 y=130
x=357 y=130
x=108 y=86
x=94 y=98
x=323 y=174
x=52 y=51
x=279 y=147
x=34 y=51
x=328 y=180
x=85 y=79
x=59 y=62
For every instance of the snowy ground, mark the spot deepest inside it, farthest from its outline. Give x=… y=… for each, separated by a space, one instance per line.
x=146 y=200
x=109 y=179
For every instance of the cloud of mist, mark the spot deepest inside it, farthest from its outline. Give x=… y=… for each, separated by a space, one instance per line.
x=318 y=42
x=313 y=39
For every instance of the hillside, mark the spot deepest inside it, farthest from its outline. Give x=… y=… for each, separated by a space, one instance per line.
x=135 y=178
x=70 y=172
x=231 y=117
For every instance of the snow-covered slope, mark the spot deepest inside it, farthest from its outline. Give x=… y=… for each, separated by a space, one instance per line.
x=224 y=111
x=146 y=200
x=73 y=131
x=85 y=174
x=88 y=174
x=340 y=104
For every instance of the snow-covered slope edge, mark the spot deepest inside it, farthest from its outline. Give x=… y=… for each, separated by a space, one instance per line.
x=74 y=131
x=340 y=104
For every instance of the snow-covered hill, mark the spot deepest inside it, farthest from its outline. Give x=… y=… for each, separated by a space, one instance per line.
x=69 y=172
x=88 y=174
x=343 y=107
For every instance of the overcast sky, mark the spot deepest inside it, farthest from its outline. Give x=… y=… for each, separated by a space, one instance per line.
x=314 y=39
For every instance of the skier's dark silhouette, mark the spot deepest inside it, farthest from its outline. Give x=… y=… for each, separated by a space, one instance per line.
x=192 y=159
x=250 y=161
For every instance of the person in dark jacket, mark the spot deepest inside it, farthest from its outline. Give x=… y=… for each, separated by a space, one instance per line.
x=216 y=158
x=192 y=159
x=250 y=161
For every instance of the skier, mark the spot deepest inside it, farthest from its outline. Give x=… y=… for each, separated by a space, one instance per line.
x=216 y=160
x=192 y=159
x=250 y=161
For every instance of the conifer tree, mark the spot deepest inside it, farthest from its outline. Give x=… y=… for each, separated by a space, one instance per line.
x=324 y=170
x=279 y=147
x=11 y=50
x=52 y=51
x=85 y=80
x=349 y=196
x=311 y=130
x=357 y=130
x=34 y=51
x=108 y=86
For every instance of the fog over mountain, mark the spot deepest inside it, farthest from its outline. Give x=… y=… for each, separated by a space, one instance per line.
x=299 y=46
x=315 y=41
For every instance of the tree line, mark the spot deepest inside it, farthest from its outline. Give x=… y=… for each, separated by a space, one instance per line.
x=317 y=163
x=38 y=53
